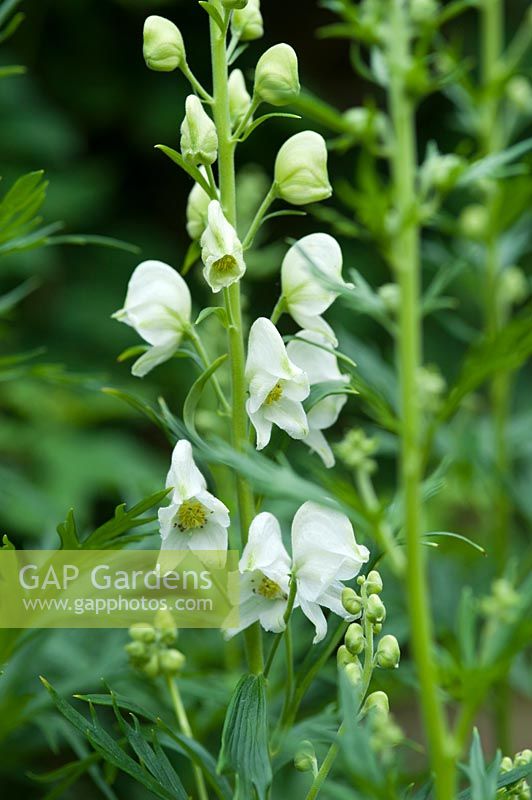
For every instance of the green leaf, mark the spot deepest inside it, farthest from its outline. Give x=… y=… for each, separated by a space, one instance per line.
x=68 y=533
x=190 y=169
x=109 y=535
x=245 y=737
x=265 y=117
x=139 y=405
x=7 y=8
x=191 y=256
x=83 y=240
x=457 y=536
x=194 y=395
x=492 y=166
x=6 y=544
x=11 y=27
x=319 y=391
x=207 y=312
x=155 y=762
x=213 y=13
x=10 y=299
x=483 y=781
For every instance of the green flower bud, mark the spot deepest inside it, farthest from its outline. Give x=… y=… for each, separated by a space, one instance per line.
x=165 y=624
x=375 y=610
x=163 y=48
x=276 y=76
x=390 y=294
x=523 y=758
x=378 y=702
x=246 y=23
x=377 y=628
x=354 y=639
x=373 y=582
x=506 y=764
x=351 y=602
x=232 y=4
x=519 y=92
x=301 y=169
x=239 y=99
x=344 y=657
x=514 y=286
x=388 y=652
x=474 y=221
x=142 y=632
x=199 y=140
x=440 y=172
x=197 y=211
x=136 y=650
x=151 y=667
x=353 y=673
x=423 y=11
x=354 y=450
x=305 y=757
x=171 y=661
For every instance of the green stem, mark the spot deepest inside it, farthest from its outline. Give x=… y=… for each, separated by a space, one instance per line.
x=227 y=185
x=182 y=719
x=200 y=349
x=196 y=85
x=406 y=261
x=259 y=216
x=383 y=531
x=286 y=617
x=326 y=766
x=279 y=310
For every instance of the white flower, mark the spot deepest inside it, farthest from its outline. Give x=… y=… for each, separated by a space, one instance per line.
x=158 y=307
x=276 y=385
x=301 y=169
x=197 y=208
x=239 y=99
x=195 y=519
x=325 y=553
x=199 y=140
x=163 y=46
x=320 y=365
x=264 y=577
x=247 y=24
x=276 y=75
x=221 y=250
x=310 y=267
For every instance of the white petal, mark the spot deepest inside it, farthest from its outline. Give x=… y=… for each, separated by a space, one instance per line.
x=154 y=356
x=308 y=352
x=157 y=303
x=316 y=324
x=289 y=416
x=317 y=442
x=263 y=427
x=331 y=598
x=309 y=268
x=184 y=476
x=166 y=517
x=267 y=353
x=265 y=550
x=326 y=412
x=220 y=512
x=250 y=609
x=271 y=616
x=314 y=613
x=210 y=537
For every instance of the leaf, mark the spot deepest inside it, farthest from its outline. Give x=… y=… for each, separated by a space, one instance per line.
x=7 y=8
x=12 y=298
x=319 y=391
x=108 y=535
x=83 y=240
x=245 y=737
x=264 y=118
x=68 y=533
x=459 y=537
x=194 y=395
x=491 y=166
x=191 y=256
x=7 y=544
x=139 y=405
x=483 y=781
x=190 y=169
x=213 y=13
x=155 y=762
x=207 y=312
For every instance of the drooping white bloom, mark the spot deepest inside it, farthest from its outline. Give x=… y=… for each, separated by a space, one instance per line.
x=221 y=250
x=158 y=307
x=264 y=577
x=277 y=387
x=239 y=99
x=246 y=23
x=325 y=553
x=199 y=139
x=163 y=47
x=195 y=519
x=301 y=169
x=276 y=75
x=310 y=269
x=320 y=365
x=197 y=208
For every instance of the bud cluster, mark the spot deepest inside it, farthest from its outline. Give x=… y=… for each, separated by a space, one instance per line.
x=151 y=649
x=355 y=450
x=520 y=790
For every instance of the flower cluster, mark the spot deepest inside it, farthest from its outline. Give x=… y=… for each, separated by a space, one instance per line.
x=520 y=790
x=151 y=649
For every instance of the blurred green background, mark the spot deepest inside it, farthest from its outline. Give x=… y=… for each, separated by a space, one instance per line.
x=88 y=112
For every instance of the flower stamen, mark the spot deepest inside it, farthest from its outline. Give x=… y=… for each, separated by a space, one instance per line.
x=275 y=394
x=270 y=589
x=225 y=264
x=191 y=515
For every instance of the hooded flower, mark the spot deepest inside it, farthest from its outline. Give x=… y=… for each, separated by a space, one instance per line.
x=246 y=23
x=277 y=387
x=199 y=140
x=320 y=365
x=276 y=75
x=221 y=250
x=239 y=99
x=325 y=553
x=163 y=47
x=264 y=577
x=158 y=307
x=301 y=169
x=309 y=268
x=195 y=519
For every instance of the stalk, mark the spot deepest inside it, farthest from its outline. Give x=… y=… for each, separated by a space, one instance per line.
x=227 y=186
x=406 y=260
x=181 y=716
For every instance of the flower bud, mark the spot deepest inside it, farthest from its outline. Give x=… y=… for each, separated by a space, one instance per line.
x=301 y=169
x=519 y=92
x=373 y=582
x=199 y=140
x=377 y=701
x=353 y=673
x=136 y=651
x=354 y=639
x=197 y=208
x=390 y=294
x=423 y=10
x=375 y=610
x=276 y=76
x=239 y=99
x=377 y=627
x=514 y=286
x=506 y=764
x=474 y=221
x=305 y=757
x=246 y=23
x=440 y=172
x=234 y=4
x=151 y=668
x=523 y=758
x=344 y=657
x=221 y=251
x=142 y=632
x=163 y=47
x=171 y=661
x=388 y=653
x=165 y=624
x=351 y=602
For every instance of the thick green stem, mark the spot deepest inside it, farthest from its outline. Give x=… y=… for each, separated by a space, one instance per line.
x=227 y=186
x=406 y=262
x=181 y=716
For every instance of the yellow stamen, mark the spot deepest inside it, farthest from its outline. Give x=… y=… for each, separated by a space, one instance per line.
x=225 y=264
x=275 y=394
x=269 y=589
x=191 y=515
